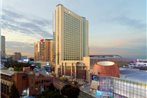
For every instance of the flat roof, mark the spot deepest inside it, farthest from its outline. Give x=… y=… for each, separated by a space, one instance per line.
x=105 y=55
x=133 y=75
x=7 y=72
x=105 y=63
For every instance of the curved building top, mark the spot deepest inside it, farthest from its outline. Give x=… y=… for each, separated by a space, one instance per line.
x=105 y=63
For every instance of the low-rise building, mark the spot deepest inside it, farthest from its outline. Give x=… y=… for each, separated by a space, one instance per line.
x=35 y=82
x=131 y=84
x=115 y=58
x=9 y=78
x=106 y=68
x=38 y=82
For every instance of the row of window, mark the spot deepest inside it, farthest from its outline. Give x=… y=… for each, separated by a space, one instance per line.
x=123 y=87
x=5 y=77
x=5 y=89
x=129 y=89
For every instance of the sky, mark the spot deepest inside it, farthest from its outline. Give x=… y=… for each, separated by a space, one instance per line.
x=115 y=26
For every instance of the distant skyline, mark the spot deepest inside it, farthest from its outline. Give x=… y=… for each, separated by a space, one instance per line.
x=115 y=26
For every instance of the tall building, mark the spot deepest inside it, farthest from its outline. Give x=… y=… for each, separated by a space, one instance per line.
x=43 y=50
x=17 y=56
x=3 y=47
x=71 y=39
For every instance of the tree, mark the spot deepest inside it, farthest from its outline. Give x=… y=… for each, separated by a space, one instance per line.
x=70 y=91
x=64 y=79
x=51 y=92
x=51 y=87
x=55 y=95
x=14 y=92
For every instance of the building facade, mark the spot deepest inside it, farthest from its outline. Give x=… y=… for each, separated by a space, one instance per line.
x=43 y=50
x=129 y=89
x=17 y=56
x=71 y=38
x=3 y=47
x=132 y=83
x=38 y=83
x=24 y=80
x=119 y=88
x=106 y=68
x=9 y=78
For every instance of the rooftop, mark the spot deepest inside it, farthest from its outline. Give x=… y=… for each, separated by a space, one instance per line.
x=106 y=56
x=7 y=72
x=106 y=63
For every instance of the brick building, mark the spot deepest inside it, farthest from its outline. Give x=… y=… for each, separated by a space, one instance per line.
x=8 y=78
x=23 y=80
x=43 y=50
x=38 y=82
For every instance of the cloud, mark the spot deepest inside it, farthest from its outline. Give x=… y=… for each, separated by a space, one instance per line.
x=135 y=42
x=10 y=51
x=11 y=14
x=42 y=22
x=135 y=48
x=23 y=24
x=15 y=44
x=22 y=31
x=12 y=35
x=131 y=23
x=24 y=48
x=131 y=52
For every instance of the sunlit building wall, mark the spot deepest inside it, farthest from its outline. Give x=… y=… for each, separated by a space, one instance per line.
x=71 y=37
x=120 y=88
x=17 y=56
x=129 y=89
x=43 y=50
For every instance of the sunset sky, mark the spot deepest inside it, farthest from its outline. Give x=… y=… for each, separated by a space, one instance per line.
x=115 y=26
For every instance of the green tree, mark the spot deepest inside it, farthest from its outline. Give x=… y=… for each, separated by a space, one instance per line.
x=14 y=92
x=70 y=91
x=51 y=87
x=51 y=92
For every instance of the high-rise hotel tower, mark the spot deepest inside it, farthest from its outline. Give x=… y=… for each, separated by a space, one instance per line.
x=3 y=54
x=71 y=38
